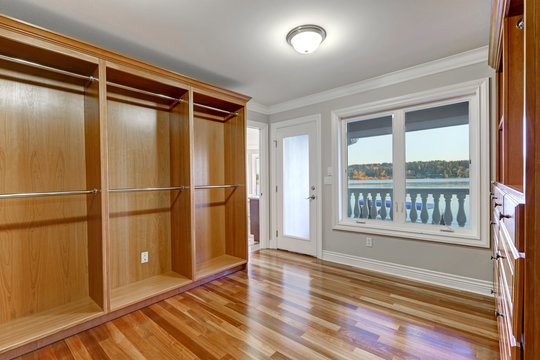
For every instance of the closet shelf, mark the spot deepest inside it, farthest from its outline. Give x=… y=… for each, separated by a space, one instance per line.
x=216 y=265
x=45 y=67
x=146 y=288
x=150 y=189
x=49 y=193
x=26 y=329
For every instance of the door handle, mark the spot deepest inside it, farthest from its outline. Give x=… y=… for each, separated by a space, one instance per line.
x=312 y=197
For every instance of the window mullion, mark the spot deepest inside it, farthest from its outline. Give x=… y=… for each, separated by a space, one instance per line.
x=398 y=134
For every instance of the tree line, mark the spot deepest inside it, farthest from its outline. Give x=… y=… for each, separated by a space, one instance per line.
x=438 y=169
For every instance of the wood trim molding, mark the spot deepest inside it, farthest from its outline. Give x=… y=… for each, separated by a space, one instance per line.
x=499 y=9
x=532 y=183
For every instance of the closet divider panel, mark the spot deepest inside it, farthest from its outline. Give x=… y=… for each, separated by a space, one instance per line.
x=44 y=241
x=235 y=173
x=181 y=166
x=93 y=150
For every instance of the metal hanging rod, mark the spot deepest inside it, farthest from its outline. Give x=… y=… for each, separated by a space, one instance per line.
x=148 y=189
x=49 y=193
x=125 y=87
x=44 y=67
x=216 y=109
x=216 y=186
x=92 y=78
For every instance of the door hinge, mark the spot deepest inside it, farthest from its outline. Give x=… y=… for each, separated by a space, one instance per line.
x=275 y=143
x=276 y=188
x=277 y=233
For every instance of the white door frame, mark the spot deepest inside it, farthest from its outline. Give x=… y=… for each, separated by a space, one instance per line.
x=264 y=198
x=273 y=180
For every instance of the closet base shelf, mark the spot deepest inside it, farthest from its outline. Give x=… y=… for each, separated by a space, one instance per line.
x=216 y=265
x=27 y=329
x=145 y=289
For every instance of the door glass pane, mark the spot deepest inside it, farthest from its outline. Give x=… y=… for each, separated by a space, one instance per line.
x=369 y=169
x=437 y=165
x=296 y=186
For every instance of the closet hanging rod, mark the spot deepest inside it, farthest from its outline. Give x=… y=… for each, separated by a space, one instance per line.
x=216 y=186
x=49 y=193
x=166 y=97
x=216 y=109
x=148 y=189
x=45 y=67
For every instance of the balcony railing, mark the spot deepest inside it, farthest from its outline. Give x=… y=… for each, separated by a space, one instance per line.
x=439 y=206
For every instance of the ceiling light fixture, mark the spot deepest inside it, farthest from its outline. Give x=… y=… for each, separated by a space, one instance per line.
x=306 y=38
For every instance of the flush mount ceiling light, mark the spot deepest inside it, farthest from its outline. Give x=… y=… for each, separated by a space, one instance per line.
x=306 y=38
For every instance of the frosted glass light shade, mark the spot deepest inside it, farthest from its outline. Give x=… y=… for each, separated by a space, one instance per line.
x=306 y=38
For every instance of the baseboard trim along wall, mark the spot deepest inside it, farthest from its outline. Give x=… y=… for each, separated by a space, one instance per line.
x=458 y=282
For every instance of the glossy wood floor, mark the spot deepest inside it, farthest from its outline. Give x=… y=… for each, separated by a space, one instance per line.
x=287 y=306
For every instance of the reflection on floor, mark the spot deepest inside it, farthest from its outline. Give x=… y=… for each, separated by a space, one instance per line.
x=289 y=306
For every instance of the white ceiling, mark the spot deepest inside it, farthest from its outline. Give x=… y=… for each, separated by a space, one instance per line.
x=240 y=44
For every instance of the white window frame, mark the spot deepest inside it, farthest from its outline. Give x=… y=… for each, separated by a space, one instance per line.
x=477 y=94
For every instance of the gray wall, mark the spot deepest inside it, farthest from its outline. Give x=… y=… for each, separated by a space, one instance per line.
x=454 y=259
x=255 y=116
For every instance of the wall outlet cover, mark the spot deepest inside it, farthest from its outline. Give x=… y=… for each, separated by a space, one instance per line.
x=144 y=257
x=369 y=242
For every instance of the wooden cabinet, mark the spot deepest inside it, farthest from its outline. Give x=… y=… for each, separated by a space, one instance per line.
x=508 y=240
x=514 y=53
x=104 y=158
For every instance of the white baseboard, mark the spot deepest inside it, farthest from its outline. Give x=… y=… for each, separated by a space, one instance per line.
x=458 y=282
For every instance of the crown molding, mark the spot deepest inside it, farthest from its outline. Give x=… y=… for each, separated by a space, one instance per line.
x=466 y=58
x=258 y=107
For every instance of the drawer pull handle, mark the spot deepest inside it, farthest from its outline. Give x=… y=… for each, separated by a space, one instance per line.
x=497 y=314
x=497 y=257
x=503 y=216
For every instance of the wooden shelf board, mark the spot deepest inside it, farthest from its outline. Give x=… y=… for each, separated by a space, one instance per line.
x=216 y=265
x=29 y=328
x=147 y=288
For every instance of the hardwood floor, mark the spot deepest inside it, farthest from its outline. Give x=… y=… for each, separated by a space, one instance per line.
x=288 y=306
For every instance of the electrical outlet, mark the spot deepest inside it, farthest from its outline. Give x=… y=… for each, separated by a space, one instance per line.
x=369 y=242
x=144 y=257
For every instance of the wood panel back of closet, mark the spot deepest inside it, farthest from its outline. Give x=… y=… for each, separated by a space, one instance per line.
x=139 y=156
x=43 y=241
x=209 y=169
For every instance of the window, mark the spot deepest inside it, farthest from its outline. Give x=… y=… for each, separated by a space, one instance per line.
x=412 y=167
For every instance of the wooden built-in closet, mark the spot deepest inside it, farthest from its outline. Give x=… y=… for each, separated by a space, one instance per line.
x=103 y=157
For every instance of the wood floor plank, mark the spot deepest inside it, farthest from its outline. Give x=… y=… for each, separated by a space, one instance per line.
x=290 y=306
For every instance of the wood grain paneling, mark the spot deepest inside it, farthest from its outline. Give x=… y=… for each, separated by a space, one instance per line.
x=288 y=306
x=43 y=241
x=139 y=156
x=235 y=173
x=180 y=155
x=92 y=140
x=513 y=101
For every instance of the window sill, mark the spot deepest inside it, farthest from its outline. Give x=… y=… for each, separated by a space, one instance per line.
x=416 y=234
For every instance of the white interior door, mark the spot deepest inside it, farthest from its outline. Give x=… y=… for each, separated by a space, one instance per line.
x=297 y=188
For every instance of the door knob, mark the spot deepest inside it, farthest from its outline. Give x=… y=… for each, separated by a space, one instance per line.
x=312 y=197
